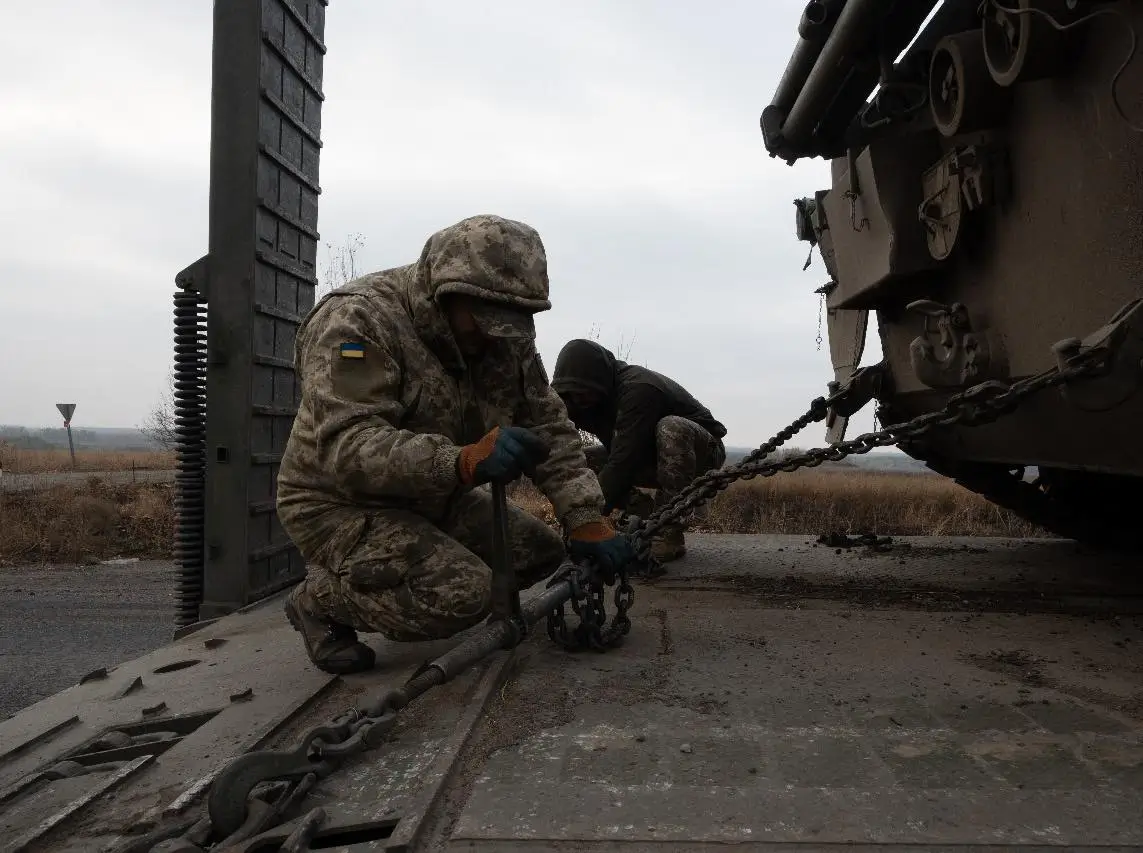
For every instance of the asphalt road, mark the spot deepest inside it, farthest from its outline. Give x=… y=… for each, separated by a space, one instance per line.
x=61 y=622
x=10 y=482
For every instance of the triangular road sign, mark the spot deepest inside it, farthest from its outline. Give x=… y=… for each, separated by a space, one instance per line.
x=66 y=409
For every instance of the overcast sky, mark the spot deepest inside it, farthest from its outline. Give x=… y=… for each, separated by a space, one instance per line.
x=625 y=132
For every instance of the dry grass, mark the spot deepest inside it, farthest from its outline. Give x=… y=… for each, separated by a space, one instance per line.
x=817 y=501
x=17 y=461
x=96 y=520
x=82 y=524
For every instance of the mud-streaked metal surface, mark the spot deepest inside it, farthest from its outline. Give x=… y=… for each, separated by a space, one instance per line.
x=773 y=694
x=216 y=692
x=231 y=685
x=776 y=694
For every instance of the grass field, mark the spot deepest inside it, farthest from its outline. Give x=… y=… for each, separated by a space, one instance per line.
x=14 y=460
x=95 y=520
x=87 y=522
x=817 y=501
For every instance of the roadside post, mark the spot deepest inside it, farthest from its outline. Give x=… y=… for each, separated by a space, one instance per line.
x=67 y=410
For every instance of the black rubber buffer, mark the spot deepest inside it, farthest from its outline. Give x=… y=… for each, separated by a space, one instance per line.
x=190 y=431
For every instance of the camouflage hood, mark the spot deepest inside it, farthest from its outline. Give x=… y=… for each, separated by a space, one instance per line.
x=585 y=365
x=485 y=256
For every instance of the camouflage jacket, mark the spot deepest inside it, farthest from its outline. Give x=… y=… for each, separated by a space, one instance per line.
x=380 y=423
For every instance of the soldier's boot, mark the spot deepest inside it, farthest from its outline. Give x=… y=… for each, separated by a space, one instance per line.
x=333 y=647
x=669 y=545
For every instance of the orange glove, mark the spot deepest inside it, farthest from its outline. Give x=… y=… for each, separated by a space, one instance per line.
x=503 y=454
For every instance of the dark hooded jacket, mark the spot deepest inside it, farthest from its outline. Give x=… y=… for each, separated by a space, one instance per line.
x=635 y=399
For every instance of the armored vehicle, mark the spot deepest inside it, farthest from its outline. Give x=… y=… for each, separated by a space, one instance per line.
x=986 y=164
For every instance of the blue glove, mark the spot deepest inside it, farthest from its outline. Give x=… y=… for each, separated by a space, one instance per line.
x=503 y=454
x=600 y=543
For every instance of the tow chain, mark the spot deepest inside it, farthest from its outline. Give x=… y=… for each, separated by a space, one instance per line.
x=587 y=600
x=977 y=405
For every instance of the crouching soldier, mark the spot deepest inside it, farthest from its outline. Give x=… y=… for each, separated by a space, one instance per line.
x=653 y=433
x=420 y=384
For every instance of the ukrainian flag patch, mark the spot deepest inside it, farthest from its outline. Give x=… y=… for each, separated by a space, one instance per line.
x=353 y=350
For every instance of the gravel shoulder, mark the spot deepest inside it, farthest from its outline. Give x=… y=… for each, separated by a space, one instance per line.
x=61 y=622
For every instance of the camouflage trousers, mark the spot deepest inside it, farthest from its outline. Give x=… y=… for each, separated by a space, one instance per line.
x=396 y=573
x=683 y=450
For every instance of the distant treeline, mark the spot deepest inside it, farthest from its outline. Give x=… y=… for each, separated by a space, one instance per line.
x=51 y=438
x=897 y=463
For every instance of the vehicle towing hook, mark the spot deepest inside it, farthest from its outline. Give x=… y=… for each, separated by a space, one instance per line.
x=227 y=802
x=863 y=385
x=1116 y=353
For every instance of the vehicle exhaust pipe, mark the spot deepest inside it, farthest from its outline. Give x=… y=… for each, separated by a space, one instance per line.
x=818 y=19
x=850 y=39
x=816 y=24
x=852 y=33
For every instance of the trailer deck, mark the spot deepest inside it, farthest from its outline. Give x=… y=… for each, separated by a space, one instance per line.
x=773 y=692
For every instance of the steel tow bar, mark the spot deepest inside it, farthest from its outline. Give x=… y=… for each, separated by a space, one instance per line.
x=505 y=591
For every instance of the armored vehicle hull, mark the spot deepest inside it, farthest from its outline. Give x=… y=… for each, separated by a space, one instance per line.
x=984 y=208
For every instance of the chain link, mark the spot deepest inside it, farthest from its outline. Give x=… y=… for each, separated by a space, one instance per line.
x=588 y=585
x=979 y=404
x=364 y=729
